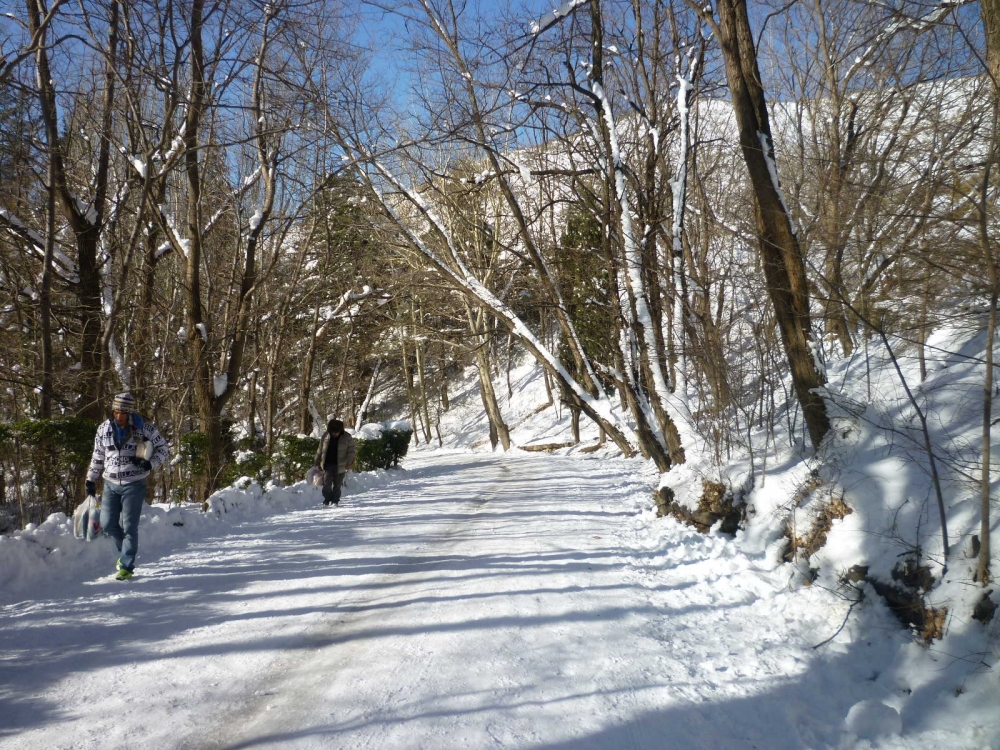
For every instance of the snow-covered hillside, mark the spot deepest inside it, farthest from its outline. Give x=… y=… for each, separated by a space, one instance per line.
x=883 y=530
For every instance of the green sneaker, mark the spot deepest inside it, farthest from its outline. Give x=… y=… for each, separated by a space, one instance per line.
x=118 y=565
x=123 y=574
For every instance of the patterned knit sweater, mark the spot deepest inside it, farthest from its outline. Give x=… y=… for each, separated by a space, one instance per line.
x=115 y=458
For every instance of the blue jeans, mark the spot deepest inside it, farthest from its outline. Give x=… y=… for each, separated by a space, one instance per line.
x=121 y=505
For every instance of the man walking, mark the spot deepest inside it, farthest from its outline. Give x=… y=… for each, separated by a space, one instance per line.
x=126 y=450
x=335 y=457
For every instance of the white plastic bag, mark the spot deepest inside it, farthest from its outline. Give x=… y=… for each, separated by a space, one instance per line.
x=144 y=449
x=87 y=519
x=314 y=477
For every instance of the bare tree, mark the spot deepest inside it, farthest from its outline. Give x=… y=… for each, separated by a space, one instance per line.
x=990 y=10
x=250 y=158
x=86 y=218
x=782 y=258
x=489 y=106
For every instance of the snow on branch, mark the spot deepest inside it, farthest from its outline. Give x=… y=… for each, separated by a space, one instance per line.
x=212 y=221
x=136 y=161
x=553 y=17
x=184 y=244
x=526 y=173
x=772 y=169
x=121 y=368
x=176 y=145
x=249 y=181
x=904 y=22
x=455 y=270
x=642 y=317
x=86 y=211
x=345 y=298
x=113 y=210
x=18 y=227
x=162 y=250
x=64 y=267
x=176 y=239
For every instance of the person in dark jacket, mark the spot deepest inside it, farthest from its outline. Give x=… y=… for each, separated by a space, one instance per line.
x=335 y=458
x=126 y=450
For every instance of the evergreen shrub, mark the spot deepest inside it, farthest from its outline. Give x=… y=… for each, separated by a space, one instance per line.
x=249 y=460
x=372 y=454
x=398 y=442
x=44 y=461
x=294 y=457
x=70 y=440
x=382 y=452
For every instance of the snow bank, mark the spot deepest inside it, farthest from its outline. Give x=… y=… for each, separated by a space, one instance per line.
x=45 y=558
x=370 y=431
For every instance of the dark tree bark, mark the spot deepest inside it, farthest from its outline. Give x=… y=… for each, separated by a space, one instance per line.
x=211 y=398
x=784 y=267
x=85 y=221
x=305 y=389
x=990 y=10
x=499 y=432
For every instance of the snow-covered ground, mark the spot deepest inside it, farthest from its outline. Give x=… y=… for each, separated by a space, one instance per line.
x=470 y=601
x=877 y=465
x=521 y=600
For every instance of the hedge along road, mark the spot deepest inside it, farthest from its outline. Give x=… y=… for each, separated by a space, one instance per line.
x=477 y=601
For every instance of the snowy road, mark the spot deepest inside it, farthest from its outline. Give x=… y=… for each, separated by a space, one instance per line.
x=477 y=601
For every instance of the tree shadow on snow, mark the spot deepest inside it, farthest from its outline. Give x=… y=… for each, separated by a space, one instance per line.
x=312 y=553
x=789 y=714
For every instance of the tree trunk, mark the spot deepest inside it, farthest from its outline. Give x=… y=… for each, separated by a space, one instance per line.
x=142 y=337
x=372 y=385
x=499 y=432
x=252 y=407
x=645 y=370
x=418 y=352
x=271 y=390
x=923 y=328
x=836 y=311
x=305 y=389
x=408 y=381
x=197 y=333
x=990 y=10
x=498 y=428
x=45 y=294
x=983 y=569
x=337 y=405
x=85 y=222
x=784 y=267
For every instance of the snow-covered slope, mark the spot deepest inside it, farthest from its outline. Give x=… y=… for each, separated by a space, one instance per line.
x=875 y=471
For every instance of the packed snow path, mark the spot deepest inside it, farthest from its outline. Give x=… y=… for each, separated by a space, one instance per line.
x=475 y=602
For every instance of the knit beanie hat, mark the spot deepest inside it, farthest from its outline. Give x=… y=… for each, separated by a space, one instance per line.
x=123 y=402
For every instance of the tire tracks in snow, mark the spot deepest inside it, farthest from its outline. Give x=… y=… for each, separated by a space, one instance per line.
x=284 y=699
